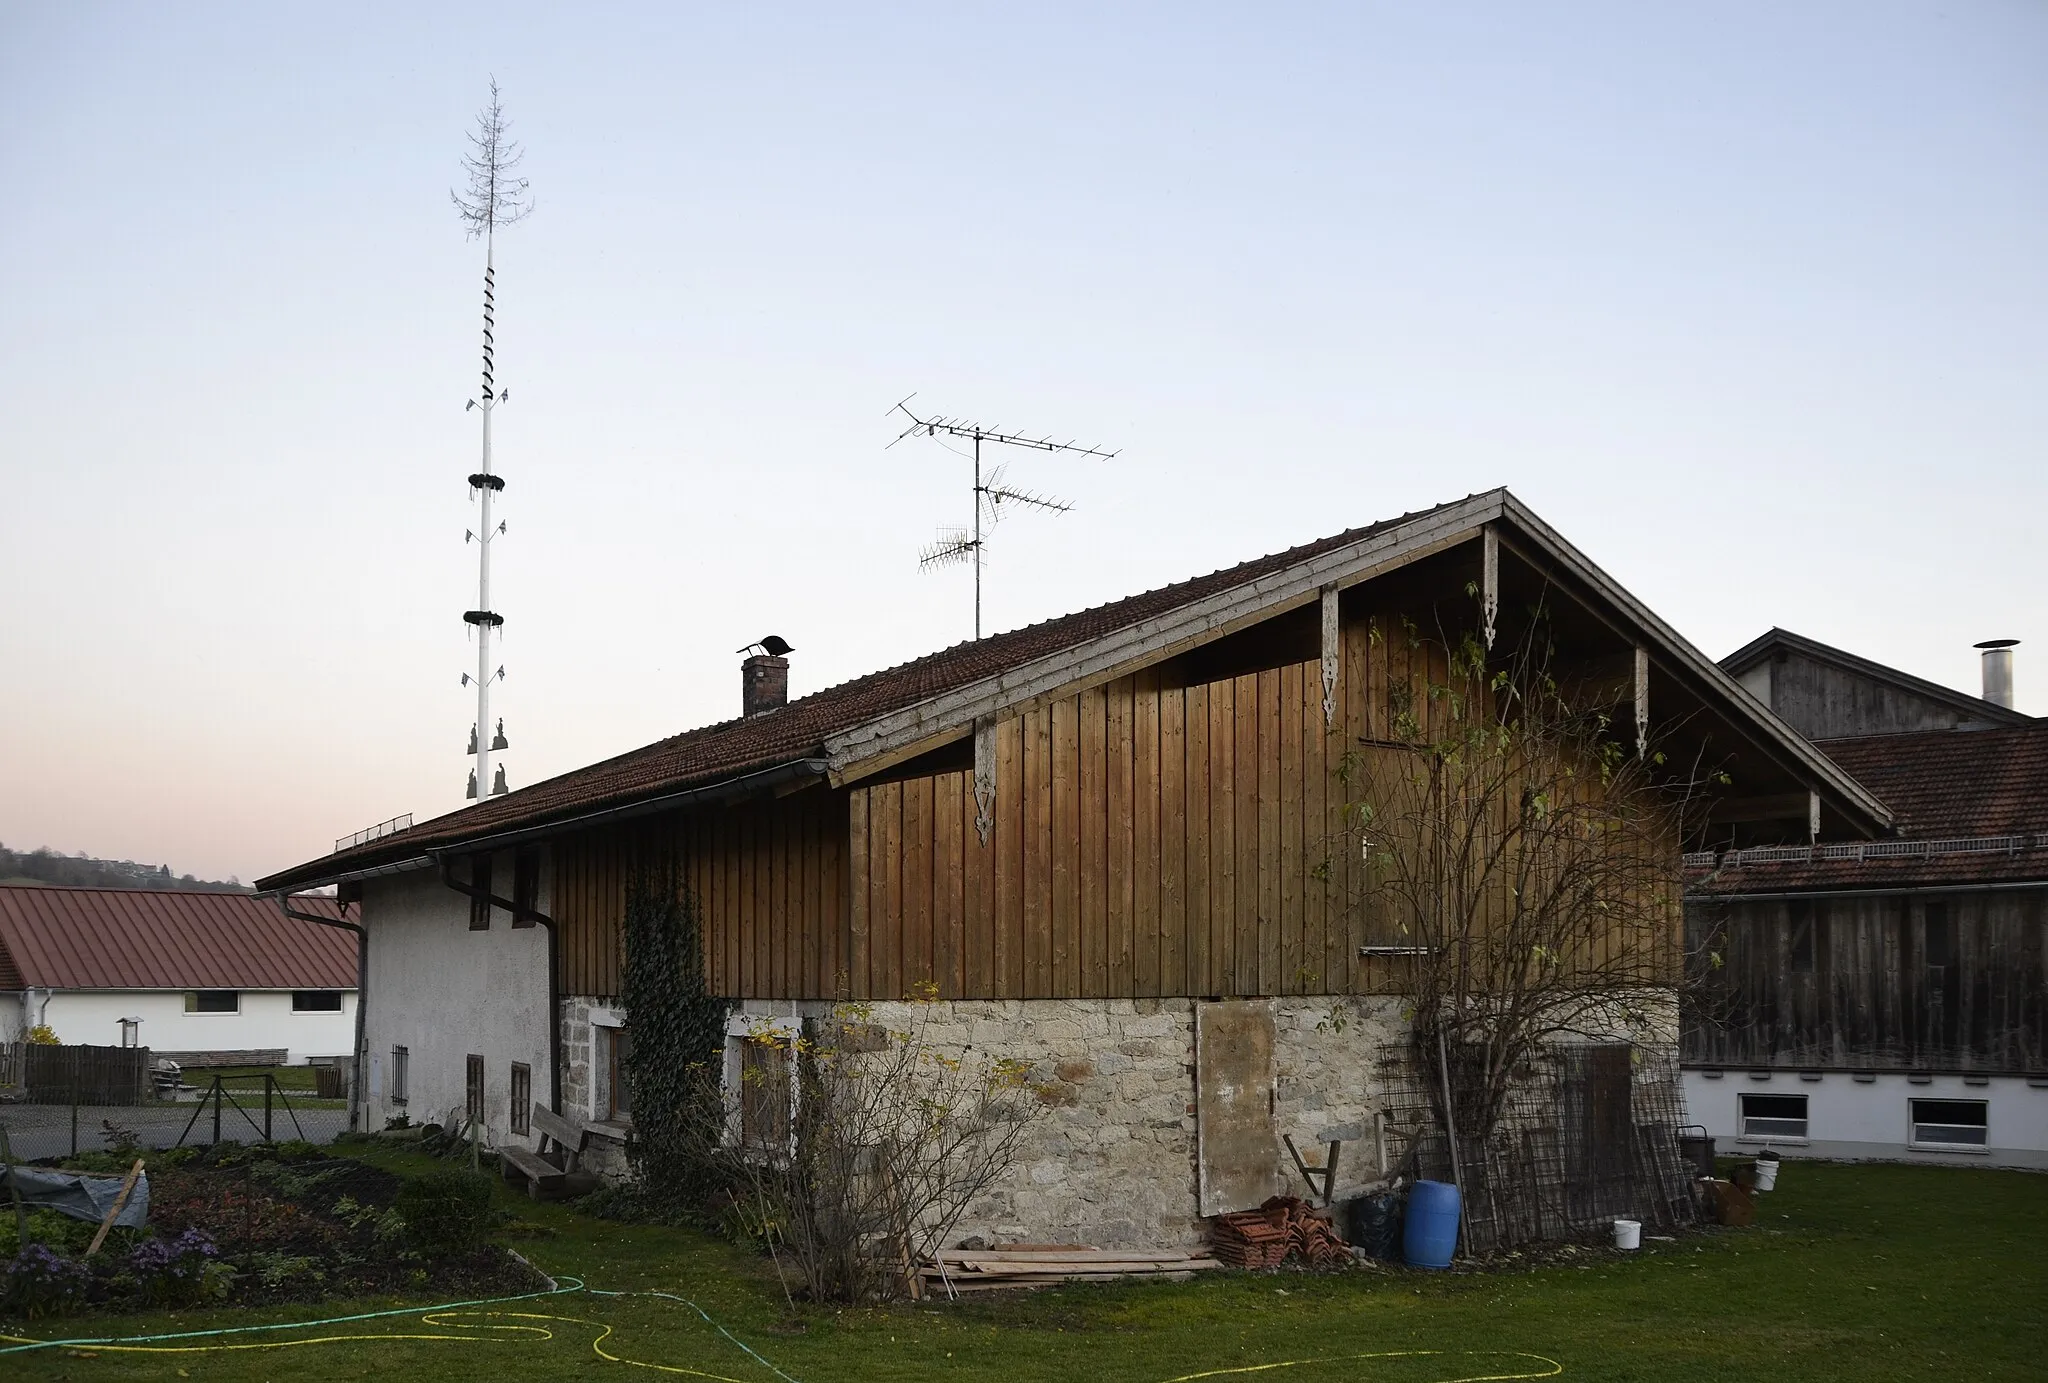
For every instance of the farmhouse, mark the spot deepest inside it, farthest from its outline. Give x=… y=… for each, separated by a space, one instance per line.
x=199 y=978
x=1106 y=843
x=1887 y=999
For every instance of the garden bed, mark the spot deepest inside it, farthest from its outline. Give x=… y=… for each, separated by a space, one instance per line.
x=265 y=1225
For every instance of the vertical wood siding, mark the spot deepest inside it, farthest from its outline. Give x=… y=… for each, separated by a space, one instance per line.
x=1150 y=839
x=770 y=880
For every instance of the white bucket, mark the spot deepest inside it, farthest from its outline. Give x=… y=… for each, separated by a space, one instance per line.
x=1766 y=1173
x=1628 y=1234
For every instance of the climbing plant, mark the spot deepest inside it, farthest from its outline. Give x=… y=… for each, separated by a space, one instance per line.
x=678 y=1045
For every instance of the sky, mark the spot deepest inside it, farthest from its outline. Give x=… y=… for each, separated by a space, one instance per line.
x=1749 y=301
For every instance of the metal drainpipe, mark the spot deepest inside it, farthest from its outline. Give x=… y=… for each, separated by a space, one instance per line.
x=554 y=969
x=362 y=1056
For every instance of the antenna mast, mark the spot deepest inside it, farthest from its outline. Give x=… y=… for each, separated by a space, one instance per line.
x=495 y=197
x=990 y=493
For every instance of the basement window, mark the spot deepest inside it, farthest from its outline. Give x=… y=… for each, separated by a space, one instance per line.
x=213 y=1001
x=1774 y=1118
x=401 y=1058
x=1951 y=1125
x=316 y=1001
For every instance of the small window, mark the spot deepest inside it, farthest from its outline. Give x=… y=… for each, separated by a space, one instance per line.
x=522 y=1098
x=213 y=1001
x=1952 y=1125
x=764 y=1091
x=480 y=903
x=618 y=1044
x=475 y=1084
x=1939 y=947
x=316 y=1001
x=401 y=1058
x=525 y=887
x=1802 y=937
x=1774 y=1116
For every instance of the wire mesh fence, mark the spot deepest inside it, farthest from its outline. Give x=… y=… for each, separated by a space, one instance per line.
x=241 y=1109
x=1586 y=1136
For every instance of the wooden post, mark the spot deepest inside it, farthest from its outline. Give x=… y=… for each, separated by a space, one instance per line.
x=1333 y=653
x=14 y=1190
x=216 y=1093
x=268 y=1081
x=77 y=1075
x=120 y=1204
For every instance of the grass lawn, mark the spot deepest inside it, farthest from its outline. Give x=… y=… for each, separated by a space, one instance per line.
x=1863 y=1273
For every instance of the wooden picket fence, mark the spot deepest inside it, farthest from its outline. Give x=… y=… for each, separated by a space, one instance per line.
x=81 y=1074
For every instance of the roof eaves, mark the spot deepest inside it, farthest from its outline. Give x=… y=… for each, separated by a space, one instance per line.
x=1766 y=726
x=1106 y=656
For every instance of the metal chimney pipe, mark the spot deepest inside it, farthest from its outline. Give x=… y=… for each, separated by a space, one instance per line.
x=1998 y=671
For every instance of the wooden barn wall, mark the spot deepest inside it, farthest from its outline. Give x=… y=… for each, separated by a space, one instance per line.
x=1934 y=981
x=770 y=883
x=1149 y=839
x=1156 y=836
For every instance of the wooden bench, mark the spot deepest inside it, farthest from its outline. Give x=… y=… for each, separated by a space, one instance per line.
x=555 y=1170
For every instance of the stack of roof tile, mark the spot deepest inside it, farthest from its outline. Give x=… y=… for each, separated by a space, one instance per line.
x=1284 y=1227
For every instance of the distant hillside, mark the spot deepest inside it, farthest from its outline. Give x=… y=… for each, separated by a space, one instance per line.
x=82 y=871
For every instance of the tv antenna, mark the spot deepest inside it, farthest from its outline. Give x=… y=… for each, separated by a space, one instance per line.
x=970 y=545
x=495 y=197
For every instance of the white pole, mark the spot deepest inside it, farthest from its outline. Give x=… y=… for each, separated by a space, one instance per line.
x=483 y=577
x=977 y=537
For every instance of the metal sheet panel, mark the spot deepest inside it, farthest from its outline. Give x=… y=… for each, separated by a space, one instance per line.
x=132 y=938
x=1237 y=1153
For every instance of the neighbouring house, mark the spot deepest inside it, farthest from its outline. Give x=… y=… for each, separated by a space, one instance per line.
x=204 y=979
x=1886 y=999
x=1102 y=841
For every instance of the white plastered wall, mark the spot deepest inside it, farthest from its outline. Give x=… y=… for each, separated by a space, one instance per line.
x=445 y=992
x=1868 y=1119
x=266 y=1021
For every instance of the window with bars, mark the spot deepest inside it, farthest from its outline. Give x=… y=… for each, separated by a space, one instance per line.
x=480 y=905
x=400 y=1059
x=475 y=1084
x=522 y=1098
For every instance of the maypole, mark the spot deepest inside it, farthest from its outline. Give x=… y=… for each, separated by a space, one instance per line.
x=494 y=198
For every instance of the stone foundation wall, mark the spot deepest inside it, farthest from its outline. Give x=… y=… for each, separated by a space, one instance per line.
x=1112 y=1158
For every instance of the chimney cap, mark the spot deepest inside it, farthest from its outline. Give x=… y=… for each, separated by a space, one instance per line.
x=774 y=645
x=1998 y=643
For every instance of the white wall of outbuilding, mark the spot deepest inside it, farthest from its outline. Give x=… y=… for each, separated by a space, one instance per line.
x=445 y=992
x=266 y=1022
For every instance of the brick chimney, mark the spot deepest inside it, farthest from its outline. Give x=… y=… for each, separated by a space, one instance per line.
x=764 y=683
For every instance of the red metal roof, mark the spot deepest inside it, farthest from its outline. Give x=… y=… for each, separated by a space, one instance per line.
x=131 y=938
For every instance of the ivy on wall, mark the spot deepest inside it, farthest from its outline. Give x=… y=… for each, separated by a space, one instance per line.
x=678 y=1044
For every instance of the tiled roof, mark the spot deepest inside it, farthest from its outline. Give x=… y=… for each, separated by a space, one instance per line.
x=1948 y=786
x=1954 y=782
x=131 y=938
x=799 y=729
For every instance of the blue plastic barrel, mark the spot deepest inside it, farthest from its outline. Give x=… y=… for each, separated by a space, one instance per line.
x=1431 y=1235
